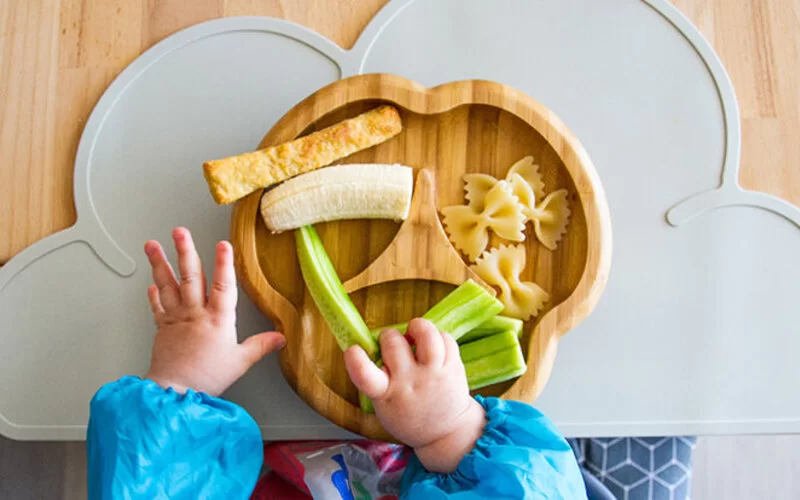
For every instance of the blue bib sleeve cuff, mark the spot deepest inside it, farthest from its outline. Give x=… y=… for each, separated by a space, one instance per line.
x=145 y=441
x=520 y=455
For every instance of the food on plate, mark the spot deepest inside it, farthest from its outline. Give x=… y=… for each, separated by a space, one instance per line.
x=235 y=177
x=524 y=193
x=371 y=191
x=550 y=218
x=548 y=214
x=489 y=200
x=492 y=326
x=492 y=360
x=329 y=294
x=501 y=213
x=400 y=327
x=529 y=171
x=463 y=309
x=477 y=186
x=502 y=267
x=365 y=403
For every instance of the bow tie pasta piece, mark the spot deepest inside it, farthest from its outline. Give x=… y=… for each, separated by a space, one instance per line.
x=501 y=213
x=550 y=218
x=466 y=229
x=524 y=193
x=529 y=171
x=502 y=267
x=477 y=186
x=495 y=205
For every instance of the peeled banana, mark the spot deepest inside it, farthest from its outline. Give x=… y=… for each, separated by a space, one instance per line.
x=357 y=191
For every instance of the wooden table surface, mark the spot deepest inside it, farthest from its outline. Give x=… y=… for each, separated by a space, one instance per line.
x=58 y=56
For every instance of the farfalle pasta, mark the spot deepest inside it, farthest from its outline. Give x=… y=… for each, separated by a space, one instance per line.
x=548 y=214
x=477 y=185
x=500 y=213
x=549 y=217
x=529 y=171
x=496 y=205
x=502 y=267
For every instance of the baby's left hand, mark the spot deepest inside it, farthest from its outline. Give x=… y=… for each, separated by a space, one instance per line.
x=196 y=345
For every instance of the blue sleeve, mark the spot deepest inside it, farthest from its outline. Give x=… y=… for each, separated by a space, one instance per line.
x=520 y=455
x=148 y=442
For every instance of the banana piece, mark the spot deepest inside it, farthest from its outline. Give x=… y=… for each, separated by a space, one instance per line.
x=357 y=191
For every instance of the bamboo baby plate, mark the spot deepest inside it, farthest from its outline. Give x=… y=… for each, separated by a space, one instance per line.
x=395 y=272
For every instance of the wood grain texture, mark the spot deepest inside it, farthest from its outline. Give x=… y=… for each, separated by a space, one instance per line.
x=451 y=130
x=58 y=56
x=420 y=250
x=56 y=59
x=758 y=41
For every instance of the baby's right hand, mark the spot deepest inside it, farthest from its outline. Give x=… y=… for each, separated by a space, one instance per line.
x=423 y=400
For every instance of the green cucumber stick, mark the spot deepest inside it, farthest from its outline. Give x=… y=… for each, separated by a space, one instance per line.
x=495 y=368
x=376 y=332
x=466 y=308
x=329 y=294
x=463 y=309
x=493 y=359
x=488 y=345
x=365 y=403
x=492 y=326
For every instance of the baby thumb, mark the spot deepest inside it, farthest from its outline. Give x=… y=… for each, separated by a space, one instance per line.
x=365 y=374
x=257 y=346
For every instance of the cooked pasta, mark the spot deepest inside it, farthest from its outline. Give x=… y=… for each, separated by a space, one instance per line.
x=523 y=187
x=529 y=171
x=502 y=267
x=550 y=218
x=469 y=228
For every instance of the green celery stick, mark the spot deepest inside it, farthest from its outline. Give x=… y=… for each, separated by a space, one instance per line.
x=460 y=311
x=488 y=345
x=495 y=368
x=365 y=403
x=491 y=360
x=329 y=294
x=491 y=326
x=463 y=309
x=376 y=332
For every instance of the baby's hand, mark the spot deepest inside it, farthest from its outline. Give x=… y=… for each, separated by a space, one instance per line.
x=423 y=400
x=196 y=345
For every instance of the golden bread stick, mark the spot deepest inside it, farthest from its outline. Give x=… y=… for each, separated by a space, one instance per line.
x=232 y=178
